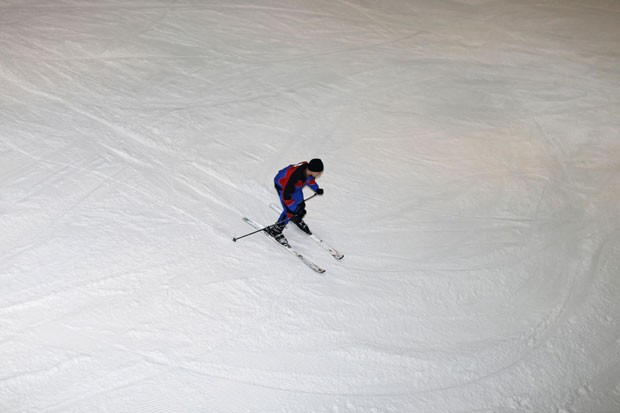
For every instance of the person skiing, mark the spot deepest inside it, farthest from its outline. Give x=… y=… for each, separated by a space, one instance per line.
x=289 y=183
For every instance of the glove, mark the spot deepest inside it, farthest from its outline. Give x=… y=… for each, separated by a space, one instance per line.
x=320 y=191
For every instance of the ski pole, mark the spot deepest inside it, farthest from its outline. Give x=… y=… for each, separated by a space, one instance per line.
x=268 y=226
x=258 y=230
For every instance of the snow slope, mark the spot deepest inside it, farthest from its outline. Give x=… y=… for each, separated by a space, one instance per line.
x=472 y=182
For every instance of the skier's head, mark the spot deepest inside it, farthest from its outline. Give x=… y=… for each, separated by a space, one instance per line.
x=315 y=167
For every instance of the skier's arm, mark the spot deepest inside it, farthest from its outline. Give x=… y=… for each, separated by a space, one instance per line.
x=289 y=201
x=289 y=189
x=313 y=185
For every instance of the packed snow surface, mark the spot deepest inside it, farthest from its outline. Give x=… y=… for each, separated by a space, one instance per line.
x=472 y=180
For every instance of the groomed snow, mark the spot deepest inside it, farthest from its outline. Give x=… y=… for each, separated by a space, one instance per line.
x=472 y=181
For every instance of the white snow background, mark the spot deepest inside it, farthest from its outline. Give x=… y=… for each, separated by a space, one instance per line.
x=472 y=181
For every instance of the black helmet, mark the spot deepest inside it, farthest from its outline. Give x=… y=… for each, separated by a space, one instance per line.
x=315 y=165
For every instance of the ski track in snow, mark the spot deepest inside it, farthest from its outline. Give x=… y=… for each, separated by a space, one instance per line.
x=472 y=183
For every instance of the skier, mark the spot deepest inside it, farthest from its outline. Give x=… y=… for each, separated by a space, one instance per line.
x=289 y=183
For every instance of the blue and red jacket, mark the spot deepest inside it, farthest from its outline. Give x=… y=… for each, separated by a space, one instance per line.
x=289 y=183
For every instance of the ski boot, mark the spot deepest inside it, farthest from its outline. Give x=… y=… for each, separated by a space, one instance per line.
x=275 y=231
x=303 y=226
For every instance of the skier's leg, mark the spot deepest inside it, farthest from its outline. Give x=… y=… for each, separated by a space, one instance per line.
x=283 y=219
x=276 y=229
x=298 y=219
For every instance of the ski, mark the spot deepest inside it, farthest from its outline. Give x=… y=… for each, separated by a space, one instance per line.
x=333 y=252
x=287 y=247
